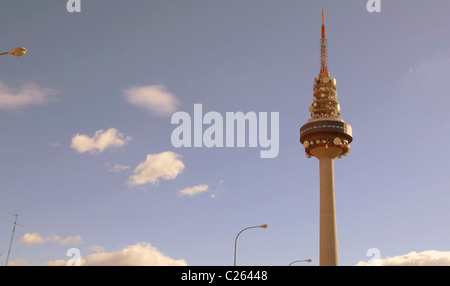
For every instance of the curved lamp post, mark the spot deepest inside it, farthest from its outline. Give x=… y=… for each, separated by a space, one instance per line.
x=305 y=260
x=235 y=241
x=18 y=52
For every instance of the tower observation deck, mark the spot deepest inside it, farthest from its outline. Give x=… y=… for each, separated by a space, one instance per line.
x=326 y=136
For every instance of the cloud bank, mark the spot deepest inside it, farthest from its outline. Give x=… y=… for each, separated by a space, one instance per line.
x=140 y=254
x=424 y=258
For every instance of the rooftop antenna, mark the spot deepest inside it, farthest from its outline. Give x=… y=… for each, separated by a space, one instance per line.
x=12 y=235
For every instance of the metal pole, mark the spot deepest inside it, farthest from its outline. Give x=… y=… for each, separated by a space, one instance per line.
x=12 y=237
x=235 y=241
x=305 y=260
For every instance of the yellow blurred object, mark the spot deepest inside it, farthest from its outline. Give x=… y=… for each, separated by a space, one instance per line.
x=18 y=52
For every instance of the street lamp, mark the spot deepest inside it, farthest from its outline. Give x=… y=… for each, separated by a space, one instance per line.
x=18 y=52
x=235 y=241
x=305 y=260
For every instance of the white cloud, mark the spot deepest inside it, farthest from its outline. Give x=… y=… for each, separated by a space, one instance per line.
x=424 y=258
x=141 y=254
x=27 y=95
x=19 y=262
x=56 y=144
x=117 y=168
x=191 y=191
x=31 y=238
x=70 y=240
x=214 y=190
x=56 y=263
x=100 y=141
x=155 y=98
x=96 y=248
x=431 y=70
x=218 y=188
x=35 y=238
x=165 y=165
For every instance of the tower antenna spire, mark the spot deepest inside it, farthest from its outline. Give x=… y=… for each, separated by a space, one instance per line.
x=323 y=51
x=323 y=24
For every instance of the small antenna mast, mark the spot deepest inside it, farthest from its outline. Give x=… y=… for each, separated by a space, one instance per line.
x=12 y=236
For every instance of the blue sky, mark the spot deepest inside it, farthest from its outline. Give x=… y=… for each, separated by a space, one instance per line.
x=392 y=190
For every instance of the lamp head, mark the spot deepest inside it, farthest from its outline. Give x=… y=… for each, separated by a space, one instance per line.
x=18 y=52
